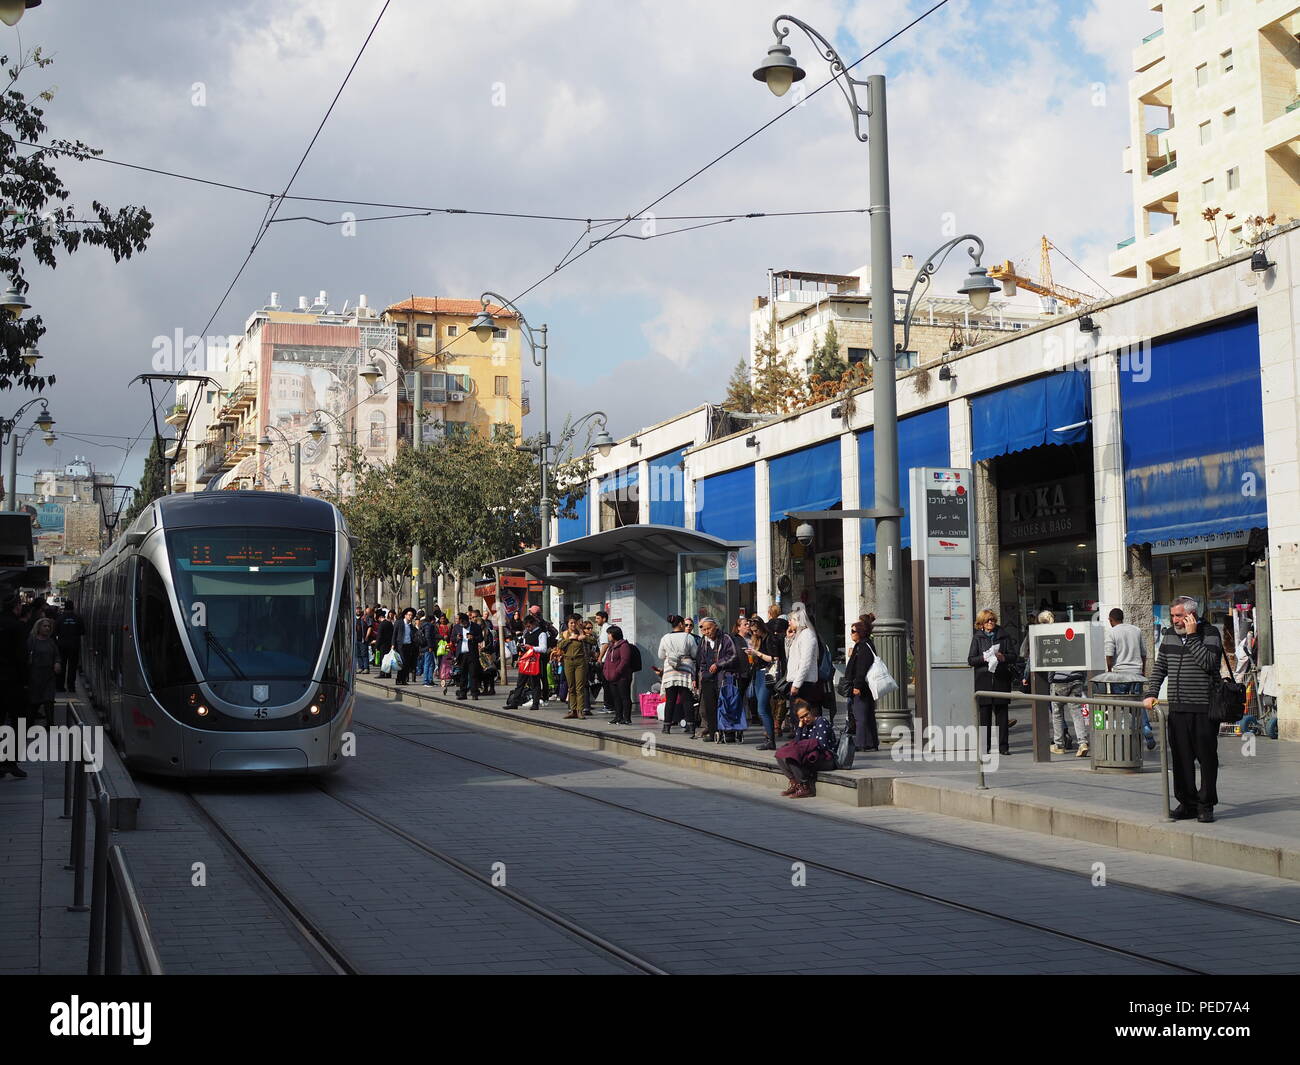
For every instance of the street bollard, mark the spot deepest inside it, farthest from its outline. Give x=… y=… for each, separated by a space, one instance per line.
x=99 y=888
x=113 y=931
x=67 y=790
x=77 y=859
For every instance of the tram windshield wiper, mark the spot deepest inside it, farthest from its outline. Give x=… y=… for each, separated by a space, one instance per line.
x=225 y=655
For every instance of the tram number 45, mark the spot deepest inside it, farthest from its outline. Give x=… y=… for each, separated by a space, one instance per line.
x=260 y=712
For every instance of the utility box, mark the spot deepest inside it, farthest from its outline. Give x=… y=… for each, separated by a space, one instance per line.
x=1068 y=647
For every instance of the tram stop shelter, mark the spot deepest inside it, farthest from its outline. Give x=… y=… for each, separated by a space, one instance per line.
x=639 y=574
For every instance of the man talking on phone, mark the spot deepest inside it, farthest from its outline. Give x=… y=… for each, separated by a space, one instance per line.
x=1189 y=655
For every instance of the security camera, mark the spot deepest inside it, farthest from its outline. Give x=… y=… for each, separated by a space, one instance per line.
x=804 y=534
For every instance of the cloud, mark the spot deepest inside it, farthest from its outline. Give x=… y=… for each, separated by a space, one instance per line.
x=605 y=108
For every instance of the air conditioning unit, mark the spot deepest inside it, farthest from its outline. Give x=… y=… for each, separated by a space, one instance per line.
x=456 y=397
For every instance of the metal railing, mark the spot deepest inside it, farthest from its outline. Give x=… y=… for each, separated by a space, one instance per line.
x=113 y=895
x=1082 y=700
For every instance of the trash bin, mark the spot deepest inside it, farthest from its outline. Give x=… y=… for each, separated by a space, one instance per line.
x=1116 y=742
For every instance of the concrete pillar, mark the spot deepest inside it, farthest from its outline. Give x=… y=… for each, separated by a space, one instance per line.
x=643 y=490
x=988 y=582
x=1281 y=396
x=852 y=550
x=593 y=506
x=959 y=435
x=688 y=484
x=867 y=596
x=1137 y=594
x=1108 y=486
x=762 y=538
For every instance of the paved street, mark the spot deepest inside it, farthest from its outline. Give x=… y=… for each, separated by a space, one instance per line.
x=680 y=872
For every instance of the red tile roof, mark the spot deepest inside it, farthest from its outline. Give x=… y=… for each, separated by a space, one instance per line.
x=442 y=305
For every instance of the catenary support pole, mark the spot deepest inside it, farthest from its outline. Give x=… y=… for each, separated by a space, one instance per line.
x=890 y=628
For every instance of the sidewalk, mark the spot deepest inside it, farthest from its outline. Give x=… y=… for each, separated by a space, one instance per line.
x=1257 y=827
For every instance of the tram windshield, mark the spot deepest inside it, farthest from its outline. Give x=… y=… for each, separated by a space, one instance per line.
x=255 y=601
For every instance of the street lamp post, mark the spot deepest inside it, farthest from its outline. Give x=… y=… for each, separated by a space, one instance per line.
x=779 y=70
x=265 y=444
x=7 y=433
x=483 y=325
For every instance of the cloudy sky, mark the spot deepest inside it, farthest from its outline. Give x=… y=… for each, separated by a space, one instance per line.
x=581 y=108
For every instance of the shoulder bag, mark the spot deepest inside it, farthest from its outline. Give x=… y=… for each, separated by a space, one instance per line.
x=880 y=680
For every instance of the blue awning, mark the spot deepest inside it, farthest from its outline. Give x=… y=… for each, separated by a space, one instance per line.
x=725 y=509
x=1193 y=423
x=668 y=490
x=1029 y=414
x=572 y=528
x=922 y=441
x=620 y=480
x=805 y=480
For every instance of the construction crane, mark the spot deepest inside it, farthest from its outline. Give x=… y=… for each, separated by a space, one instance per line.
x=1044 y=285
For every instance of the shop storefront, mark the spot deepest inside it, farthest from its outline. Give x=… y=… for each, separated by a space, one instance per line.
x=725 y=510
x=1194 y=473
x=1034 y=438
x=1047 y=546
x=809 y=479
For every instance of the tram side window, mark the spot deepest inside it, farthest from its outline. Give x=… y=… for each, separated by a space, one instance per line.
x=338 y=668
x=160 y=644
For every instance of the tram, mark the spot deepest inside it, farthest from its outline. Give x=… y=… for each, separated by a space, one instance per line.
x=218 y=635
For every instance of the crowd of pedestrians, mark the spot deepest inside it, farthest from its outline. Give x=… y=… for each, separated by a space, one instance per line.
x=431 y=647
x=40 y=650
x=774 y=673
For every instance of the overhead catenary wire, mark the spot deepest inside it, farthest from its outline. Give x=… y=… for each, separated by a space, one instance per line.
x=568 y=261
x=273 y=206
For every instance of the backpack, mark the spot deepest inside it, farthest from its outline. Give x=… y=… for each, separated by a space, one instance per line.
x=636 y=658
x=825 y=667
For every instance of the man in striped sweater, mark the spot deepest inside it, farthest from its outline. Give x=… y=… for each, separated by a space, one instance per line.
x=1189 y=655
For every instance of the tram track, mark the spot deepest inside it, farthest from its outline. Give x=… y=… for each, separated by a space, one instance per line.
x=915 y=893
x=1214 y=904
x=335 y=958
x=316 y=939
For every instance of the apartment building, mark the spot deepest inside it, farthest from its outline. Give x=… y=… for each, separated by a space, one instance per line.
x=290 y=370
x=800 y=306
x=1215 y=123
x=464 y=384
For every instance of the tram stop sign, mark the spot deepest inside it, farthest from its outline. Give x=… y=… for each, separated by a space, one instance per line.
x=1067 y=647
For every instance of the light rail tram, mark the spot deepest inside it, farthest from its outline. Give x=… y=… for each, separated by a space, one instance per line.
x=219 y=635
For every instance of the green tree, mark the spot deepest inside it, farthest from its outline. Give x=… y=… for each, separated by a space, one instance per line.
x=778 y=388
x=153 y=483
x=38 y=221
x=827 y=362
x=740 y=390
x=468 y=501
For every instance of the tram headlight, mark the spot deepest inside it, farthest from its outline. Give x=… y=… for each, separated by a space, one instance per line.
x=313 y=709
x=201 y=710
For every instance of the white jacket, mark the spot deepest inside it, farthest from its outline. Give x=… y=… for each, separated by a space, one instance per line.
x=802 y=668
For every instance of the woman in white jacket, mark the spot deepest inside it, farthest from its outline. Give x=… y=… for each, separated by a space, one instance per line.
x=802 y=671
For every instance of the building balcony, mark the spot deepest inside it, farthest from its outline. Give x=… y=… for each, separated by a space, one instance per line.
x=238 y=403
x=177 y=415
x=1125 y=243
x=1150 y=52
x=1283 y=129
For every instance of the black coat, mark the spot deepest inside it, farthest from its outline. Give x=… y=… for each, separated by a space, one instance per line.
x=1000 y=680
x=470 y=631
x=384 y=639
x=859 y=665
